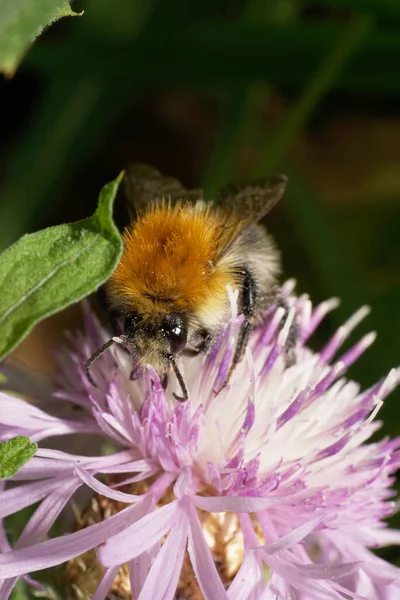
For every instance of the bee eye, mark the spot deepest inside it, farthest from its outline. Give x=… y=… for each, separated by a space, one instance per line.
x=174 y=328
x=131 y=324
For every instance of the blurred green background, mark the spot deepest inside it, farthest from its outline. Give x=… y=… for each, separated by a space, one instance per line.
x=224 y=90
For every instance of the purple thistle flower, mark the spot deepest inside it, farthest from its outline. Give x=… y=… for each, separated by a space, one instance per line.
x=280 y=456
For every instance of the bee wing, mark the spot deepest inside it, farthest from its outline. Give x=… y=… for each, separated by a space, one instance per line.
x=252 y=201
x=245 y=204
x=143 y=184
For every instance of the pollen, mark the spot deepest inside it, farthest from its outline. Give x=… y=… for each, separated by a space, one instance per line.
x=170 y=260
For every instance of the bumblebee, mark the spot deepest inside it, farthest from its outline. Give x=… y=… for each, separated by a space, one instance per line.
x=168 y=294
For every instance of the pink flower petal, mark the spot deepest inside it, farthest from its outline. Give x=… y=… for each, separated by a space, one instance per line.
x=25 y=418
x=16 y=412
x=328 y=571
x=141 y=477
x=140 y=536
x=387 y=537
x=111 y=461
x=38 y=468
x=290 y=539
x=112 y=427
x=138 y=571
x=239 y=504
x=163 y=577
x=6 y=587
x=135 y=466
x=48 y=463
x=183 y=483
x=45 y=515
x=56 y=551
x=313 y=581
x=249 y=581
x=19 y=497
x=105 y=490
x=202 y=561
x=106 y=583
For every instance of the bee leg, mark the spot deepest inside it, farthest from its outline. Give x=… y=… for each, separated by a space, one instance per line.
x=291 y=341
x=97 y=354
x=249 y=303
x=178 y=374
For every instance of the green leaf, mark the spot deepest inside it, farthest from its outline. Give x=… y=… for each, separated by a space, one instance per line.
x=14 y=454
x=21 y=22
x=46 y=271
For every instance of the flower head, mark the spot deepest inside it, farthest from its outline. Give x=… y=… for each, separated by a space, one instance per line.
x=264 y=489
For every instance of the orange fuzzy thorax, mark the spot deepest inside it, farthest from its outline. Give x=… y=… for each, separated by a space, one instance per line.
x=169 y=261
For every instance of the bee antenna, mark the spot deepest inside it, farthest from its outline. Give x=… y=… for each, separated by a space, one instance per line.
x=96 y=355
x=180 y=379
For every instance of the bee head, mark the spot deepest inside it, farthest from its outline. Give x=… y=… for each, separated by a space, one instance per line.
x=171 y=333
x=175 y=330
x=159 y=342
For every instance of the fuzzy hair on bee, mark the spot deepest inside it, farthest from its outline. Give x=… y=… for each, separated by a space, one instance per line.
x=168 y=294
